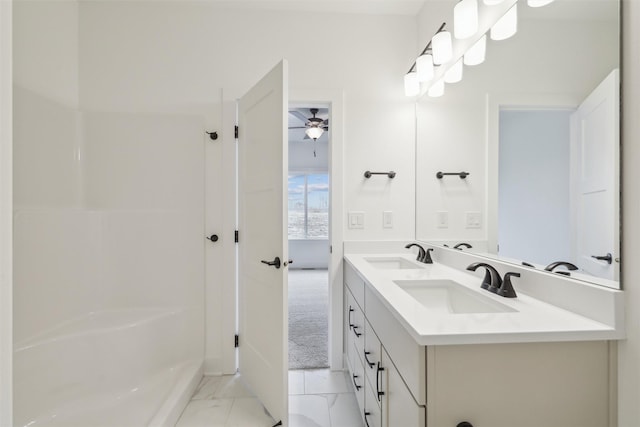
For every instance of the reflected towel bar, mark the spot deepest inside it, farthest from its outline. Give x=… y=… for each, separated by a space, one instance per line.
x=390 y=174
x=462 y=175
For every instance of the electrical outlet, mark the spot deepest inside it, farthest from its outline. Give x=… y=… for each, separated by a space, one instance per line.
x=474 y=220
x=442 y=219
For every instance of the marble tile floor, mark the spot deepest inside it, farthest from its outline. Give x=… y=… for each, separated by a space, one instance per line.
x=317 y=398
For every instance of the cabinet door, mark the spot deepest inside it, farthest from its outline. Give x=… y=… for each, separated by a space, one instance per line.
x=399 y=408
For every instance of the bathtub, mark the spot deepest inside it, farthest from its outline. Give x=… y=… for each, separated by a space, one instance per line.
x=120 y=368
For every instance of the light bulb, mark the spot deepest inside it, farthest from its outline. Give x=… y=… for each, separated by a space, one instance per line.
x=465 y=19
x=476 y=53
x=411 y=84
x=437 y=89
x=424 y=67
x=454 y=74
x=442 y=48
x=506 y=26
x=314 y=132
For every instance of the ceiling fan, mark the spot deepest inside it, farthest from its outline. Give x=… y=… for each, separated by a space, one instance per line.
x=314 y=126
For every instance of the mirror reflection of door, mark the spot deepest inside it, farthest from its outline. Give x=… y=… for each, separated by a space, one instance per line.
x=308 y=213
x=569 y=212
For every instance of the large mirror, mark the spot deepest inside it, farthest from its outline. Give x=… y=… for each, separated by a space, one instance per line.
x=536 y=126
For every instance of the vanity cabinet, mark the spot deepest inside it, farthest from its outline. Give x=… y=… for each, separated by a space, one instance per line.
x=550 y=384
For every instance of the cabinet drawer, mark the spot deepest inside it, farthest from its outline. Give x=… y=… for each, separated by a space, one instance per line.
x=358 y=381
x=400 y=409
x=372 y=409
x=355 y=283
x=371 y=355
x=355 y=325
x=409 y=357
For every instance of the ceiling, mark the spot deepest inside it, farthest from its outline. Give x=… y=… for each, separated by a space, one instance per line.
x=297 y=135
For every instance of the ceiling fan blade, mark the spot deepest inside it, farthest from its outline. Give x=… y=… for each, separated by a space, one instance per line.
x=298 y=127
x=298 y=115
x=306 y=136
x=325 y=121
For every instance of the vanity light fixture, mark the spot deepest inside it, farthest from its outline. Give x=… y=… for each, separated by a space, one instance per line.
x=538 y=3
x=442 y=47
x=437 y=89
x=454 y=74
x=422 y=70
x=424 y=67
x=507 y=25
x=476 y=53
x=465 y=19
x=411 y=83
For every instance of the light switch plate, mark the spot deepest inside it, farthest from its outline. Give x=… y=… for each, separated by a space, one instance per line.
x=442 y=219
x=474 y=220
x=355 y=220
x=387 y=219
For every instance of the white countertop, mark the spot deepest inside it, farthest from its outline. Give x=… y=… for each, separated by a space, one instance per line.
x=531 y=321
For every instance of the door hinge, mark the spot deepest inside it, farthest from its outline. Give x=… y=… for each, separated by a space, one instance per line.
x=236 y=132
x=330 y=249
x=236 y=341
x=236 y=236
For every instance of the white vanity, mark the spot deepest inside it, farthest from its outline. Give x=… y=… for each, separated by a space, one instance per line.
x=426 y=346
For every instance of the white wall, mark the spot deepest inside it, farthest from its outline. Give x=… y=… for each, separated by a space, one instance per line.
x=629 y=350
x=176 y=56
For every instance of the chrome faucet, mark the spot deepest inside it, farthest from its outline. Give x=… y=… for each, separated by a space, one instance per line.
x=492 y=280
x=423 y=256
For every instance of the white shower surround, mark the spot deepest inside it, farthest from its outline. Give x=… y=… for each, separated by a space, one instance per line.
x=108 y=368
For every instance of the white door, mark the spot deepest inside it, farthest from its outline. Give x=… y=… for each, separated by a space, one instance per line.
x=597 y=193
x=262 y=225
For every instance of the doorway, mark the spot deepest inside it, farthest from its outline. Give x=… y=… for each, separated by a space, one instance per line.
x=308 y=234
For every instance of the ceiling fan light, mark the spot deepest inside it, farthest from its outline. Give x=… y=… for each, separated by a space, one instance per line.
x=454 y=74
x=411 y=84
x=465 y=19
x=314 y=132
x=538 y=3
x=506 y=26
x=476 y=53
x=437 y=89
x=424 y=67
x=442 y=47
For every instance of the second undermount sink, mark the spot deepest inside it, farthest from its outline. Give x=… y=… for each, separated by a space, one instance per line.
x=391 y=263
x=448 y=296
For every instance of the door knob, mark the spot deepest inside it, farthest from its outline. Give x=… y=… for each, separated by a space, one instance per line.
x=288 y=262
x=213 y=237
x=275 y=263
x=606 y=257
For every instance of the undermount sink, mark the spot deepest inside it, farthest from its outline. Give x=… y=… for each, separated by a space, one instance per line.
x=391 y=263
x=447 y=296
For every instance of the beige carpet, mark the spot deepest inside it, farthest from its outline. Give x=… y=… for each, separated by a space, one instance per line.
x=308 y=319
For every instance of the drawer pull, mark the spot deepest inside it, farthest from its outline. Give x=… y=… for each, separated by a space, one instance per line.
x=378 y=381
x=371 y=364
x=358 y=387
x=355 y=331
x=366 y=414
x=350 y=310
